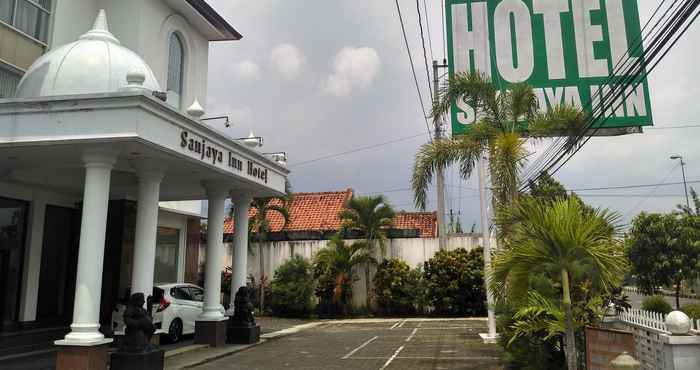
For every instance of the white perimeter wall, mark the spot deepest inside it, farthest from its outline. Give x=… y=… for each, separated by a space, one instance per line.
x=414 y=251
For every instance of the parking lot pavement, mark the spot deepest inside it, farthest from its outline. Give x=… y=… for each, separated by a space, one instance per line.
x=398 y=344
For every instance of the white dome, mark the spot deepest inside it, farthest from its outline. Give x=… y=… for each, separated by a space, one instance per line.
x=96 y=63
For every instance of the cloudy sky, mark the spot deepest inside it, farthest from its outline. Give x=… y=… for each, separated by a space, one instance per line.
x=318 y=77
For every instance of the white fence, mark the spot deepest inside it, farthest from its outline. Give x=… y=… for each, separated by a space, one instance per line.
x=648 y=327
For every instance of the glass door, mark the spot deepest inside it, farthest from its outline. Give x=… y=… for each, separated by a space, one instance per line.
x=13 y=224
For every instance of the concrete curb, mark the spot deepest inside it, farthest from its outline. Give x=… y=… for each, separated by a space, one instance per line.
x=217 y=353
x=182 y=350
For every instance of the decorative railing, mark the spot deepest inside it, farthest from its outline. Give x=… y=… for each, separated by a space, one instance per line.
x=648 y=327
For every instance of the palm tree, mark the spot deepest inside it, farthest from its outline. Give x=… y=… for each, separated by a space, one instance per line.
x=566 y=242
x=497 y=131
x=259 y=226
x=338 y=260
x=371 y=217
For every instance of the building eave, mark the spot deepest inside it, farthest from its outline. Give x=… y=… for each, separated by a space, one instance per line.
x=225 y=31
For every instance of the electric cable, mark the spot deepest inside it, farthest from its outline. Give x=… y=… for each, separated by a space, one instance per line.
x=413 y=70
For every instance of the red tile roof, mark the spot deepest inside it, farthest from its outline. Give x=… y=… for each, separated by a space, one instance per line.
x=424 y=222
x=319 y=212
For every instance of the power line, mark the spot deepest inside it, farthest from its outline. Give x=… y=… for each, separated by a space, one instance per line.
x=444 y=39
x=671 y=32
x=425 y=56
x=413 y=68
x=558 y=148
x=427 y=26
x=671 y=127
x=360 y=149
x=634 y=186
x=639 y=204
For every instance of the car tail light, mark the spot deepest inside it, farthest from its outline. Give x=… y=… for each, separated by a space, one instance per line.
x=163 y=304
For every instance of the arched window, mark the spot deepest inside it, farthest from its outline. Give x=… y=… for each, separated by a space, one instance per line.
x=176 y=61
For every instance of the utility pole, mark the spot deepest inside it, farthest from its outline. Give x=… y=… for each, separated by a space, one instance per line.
x=440 y=171
x=685 y=184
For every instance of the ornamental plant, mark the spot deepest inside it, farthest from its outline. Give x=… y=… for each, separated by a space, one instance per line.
x=292 y=288
x=455 y=282
x=399 y=290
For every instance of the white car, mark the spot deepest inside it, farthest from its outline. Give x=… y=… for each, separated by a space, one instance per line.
x=175 y=309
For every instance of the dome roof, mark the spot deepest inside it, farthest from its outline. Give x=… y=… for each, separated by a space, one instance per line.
x=96 y=63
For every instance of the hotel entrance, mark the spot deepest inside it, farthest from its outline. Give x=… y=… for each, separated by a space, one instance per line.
x=59 y=258
x=13 y=226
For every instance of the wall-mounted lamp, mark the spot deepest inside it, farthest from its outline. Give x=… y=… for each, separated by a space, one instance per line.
x=252 y=141
x=279 y=157
x=227 y=123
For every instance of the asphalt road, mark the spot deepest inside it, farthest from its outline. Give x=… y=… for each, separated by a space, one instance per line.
x=399 y=344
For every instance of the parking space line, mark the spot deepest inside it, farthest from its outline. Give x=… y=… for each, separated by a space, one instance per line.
x=391 y=358
x=395 y=325
x=442 y=358
x=413 y=333
x=402 y=322
x=360 y=347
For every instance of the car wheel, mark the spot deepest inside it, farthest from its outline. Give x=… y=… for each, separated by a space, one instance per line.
x=175 y=330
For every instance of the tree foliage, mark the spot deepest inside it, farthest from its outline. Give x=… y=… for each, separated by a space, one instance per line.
x=664 y=250
x=333 y=269
x=455 y=281
x=566 y=243
x=498 y=130
x=400 y=290
x=292 y=288
x=370 y=217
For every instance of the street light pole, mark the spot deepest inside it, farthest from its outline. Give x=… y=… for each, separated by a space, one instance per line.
x=685 y=184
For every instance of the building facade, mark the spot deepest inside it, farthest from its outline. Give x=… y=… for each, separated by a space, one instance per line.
x=106 y=161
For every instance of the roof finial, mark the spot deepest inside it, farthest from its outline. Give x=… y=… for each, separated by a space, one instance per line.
x=100 y=30
x=195 y=110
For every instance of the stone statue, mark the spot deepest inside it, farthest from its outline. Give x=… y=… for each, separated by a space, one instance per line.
x=139 y=326
x=243 y=308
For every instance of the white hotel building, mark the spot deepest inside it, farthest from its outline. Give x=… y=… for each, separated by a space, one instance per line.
x=102 y=151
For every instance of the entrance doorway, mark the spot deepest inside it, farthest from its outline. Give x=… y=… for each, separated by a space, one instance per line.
x=13 y=225
x=59 y=259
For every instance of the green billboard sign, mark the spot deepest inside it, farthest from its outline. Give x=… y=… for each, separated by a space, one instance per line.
x=566 y=50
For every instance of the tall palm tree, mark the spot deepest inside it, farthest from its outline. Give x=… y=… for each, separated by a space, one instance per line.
x=338 y=260
x=497 y=131
x=566 y=242
x=371 y=217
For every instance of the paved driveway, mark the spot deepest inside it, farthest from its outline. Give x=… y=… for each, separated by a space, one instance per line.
x=400 y=344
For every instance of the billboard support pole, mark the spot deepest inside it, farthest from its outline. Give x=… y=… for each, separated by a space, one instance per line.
x=491 y=336
x=440 y=183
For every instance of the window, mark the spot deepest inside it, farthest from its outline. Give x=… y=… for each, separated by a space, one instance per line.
x=197 y=294
x=180 y=293
x=9 y=79
x=167 y=253
x=28 y=16
x=176 y=62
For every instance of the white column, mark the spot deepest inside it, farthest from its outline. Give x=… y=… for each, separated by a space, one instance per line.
x=88 y=285
x=239 y=263
x=150 y=176
x=216 y=194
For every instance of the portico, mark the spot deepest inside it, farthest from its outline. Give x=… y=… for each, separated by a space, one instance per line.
x=104 y=135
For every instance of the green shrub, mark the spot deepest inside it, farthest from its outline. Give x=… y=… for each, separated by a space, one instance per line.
x=658 y=304
x=455 y=281
x=534 y=353
x=292 y=288
x=692 y=310
x=398 y=289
